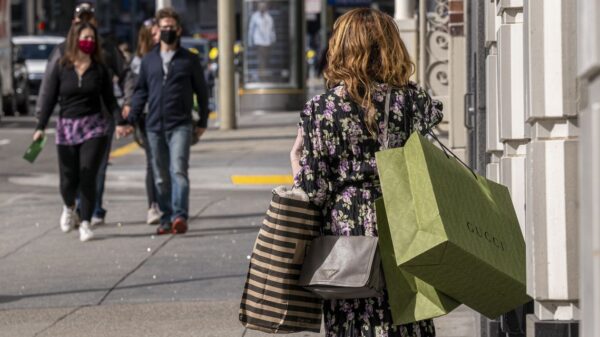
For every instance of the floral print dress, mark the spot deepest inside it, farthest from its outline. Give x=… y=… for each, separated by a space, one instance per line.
x=339 y=173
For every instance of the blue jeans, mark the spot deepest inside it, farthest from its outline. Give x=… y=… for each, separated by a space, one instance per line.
x=100 y=212
x=170 y=161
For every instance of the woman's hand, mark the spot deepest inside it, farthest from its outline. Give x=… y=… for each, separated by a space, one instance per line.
x=37 y=135
x=123 y=131
x=296 y=153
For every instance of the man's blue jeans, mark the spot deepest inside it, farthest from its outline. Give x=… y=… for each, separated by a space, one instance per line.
x=170 y=161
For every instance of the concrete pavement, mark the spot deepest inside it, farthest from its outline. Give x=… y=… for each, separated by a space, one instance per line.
x=129 y=282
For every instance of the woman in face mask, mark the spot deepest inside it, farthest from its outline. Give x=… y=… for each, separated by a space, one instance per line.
x=81 y=84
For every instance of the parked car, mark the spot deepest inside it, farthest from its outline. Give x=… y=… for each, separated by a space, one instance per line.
x=34 y=52
x=13 y=85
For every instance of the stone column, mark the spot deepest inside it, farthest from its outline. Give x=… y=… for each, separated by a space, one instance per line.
x=30 y=14
x=510 y=102
x=588 y=50
x=457 y=139
x=406 y=19
x=505 y=102
x=227 y=93
x=163 y=3
x=404 y=9
x=552 y=166
x=493 y=147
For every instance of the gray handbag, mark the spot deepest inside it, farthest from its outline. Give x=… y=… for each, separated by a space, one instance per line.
x=344 y=267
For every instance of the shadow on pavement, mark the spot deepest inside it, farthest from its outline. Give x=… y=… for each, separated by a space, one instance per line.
x=192 y=221
x=248 y=138
x=229 y=216
x=13 y=298
x=195 y=233
x=191 y=233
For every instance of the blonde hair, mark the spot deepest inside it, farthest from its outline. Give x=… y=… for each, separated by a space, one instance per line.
x=366 y=48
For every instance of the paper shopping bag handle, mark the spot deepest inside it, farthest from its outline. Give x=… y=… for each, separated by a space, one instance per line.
x=446 y=150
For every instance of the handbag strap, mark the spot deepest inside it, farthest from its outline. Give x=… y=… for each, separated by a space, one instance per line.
x=386 y=117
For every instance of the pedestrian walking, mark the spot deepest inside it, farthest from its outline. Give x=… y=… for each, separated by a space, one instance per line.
x=118 y=67
x=333 y=158
x=81 y=83
x=148 y=37
x=169 y=77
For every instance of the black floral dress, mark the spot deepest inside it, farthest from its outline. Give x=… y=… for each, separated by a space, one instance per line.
x=339 y=173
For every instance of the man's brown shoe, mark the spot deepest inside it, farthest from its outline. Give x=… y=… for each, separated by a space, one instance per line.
x=180 y=226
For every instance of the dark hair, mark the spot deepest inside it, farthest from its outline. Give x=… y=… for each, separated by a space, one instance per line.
x=72 y=43
x=168 y=12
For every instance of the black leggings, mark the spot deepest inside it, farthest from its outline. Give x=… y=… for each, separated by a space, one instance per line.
x=78 y=165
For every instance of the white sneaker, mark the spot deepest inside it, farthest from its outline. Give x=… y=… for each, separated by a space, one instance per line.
x=85 y=233
x=68 y=219
x=154 y=215
x=97 y=221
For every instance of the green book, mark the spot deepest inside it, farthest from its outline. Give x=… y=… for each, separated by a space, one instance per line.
x=34 y=149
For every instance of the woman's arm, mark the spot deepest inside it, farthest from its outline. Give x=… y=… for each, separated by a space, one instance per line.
x=296 y=153
x=313 y=175
x=48 y=101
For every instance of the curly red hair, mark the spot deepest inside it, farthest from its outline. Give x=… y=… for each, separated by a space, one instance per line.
x=365 y=49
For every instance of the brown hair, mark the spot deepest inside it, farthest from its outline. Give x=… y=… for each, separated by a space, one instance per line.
x=72 y=44
x=366 y=48
x=168 y=12
x=145 y=41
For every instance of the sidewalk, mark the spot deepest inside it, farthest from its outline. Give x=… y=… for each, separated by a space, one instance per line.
x=129 y=282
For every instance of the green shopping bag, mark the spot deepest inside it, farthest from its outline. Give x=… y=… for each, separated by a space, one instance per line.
x=410 y=298
x=34 y=149
x=466 y=241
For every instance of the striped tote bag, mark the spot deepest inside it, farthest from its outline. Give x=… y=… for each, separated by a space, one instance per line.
x=273 y=301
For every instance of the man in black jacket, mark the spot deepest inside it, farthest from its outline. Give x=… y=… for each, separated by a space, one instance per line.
x=169 y=77
x=118 y=67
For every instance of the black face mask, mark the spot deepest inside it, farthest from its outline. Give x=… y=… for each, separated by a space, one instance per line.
x=168 y=36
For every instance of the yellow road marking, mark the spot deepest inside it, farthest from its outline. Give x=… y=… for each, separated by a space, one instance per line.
x=263 y=180
x=123 y=150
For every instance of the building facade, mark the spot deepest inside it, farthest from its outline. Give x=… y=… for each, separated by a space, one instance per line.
x=531 y=112
x=588 y=69
x=527 y=117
